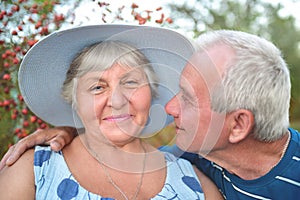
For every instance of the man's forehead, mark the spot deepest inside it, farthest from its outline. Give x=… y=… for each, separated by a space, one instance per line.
x=213 y=59
x=206 y=67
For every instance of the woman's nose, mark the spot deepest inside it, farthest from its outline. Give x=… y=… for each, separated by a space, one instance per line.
x=117 y=98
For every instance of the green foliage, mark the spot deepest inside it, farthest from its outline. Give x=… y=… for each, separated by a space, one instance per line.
x=253 y=16
x=22 y=24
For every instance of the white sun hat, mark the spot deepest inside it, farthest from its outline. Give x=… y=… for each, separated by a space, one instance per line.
x=43 y=69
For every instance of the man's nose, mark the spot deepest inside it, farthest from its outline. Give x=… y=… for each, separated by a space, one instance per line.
x=173 y=107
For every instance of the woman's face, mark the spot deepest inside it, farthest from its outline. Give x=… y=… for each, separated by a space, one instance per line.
x=115 y=102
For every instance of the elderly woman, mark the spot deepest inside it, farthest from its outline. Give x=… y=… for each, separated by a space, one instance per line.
x=107 y=81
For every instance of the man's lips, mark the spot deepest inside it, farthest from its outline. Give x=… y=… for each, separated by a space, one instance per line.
x=117 y=118
x=179 y=128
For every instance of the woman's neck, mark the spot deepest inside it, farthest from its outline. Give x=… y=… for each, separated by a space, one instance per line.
x=126 y=157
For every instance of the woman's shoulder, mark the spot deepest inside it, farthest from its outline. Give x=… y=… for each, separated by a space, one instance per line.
x=14 y=178
x=24 y=162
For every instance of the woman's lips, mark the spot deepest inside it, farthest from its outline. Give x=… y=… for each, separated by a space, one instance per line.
x=118 y=118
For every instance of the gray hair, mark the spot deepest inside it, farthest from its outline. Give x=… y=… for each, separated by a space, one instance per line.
x=257 y=79
x=102 y=56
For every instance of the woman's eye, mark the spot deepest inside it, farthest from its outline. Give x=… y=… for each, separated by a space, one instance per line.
x=131 y=83
x=97 y=89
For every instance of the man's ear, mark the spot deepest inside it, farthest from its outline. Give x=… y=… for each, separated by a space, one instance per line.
x=241 y=124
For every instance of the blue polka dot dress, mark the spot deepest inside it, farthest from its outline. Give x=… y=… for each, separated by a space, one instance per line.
x=54 y=180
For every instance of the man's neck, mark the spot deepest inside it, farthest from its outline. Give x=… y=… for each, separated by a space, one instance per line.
x=250 y=159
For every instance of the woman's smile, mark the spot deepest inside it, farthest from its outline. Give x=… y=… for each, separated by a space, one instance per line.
x=117 y=118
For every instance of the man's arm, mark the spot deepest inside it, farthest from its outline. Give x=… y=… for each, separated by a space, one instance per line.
x=57 y=138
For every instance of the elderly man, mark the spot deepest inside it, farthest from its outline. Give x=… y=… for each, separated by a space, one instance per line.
x=232 y=113
x=239 y=84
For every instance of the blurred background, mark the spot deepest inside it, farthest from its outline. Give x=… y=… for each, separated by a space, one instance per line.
x=24 y=22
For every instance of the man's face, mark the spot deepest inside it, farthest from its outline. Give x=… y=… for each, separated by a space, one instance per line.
x=198 y=127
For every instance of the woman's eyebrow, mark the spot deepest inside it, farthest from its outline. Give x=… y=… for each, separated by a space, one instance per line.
x=132 y=73
x=92 y=80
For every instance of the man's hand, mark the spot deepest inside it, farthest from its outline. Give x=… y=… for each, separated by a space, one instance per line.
x=57 y=138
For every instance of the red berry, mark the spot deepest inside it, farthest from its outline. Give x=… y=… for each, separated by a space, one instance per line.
x=169 y=20
x=38 y=25
x=31 y=42
x=15 y=8
x=14 y=32
x=43 y=126
x=25 y=123
x=33 y=119
x=17 y=130
x=19 y=135
x=4 y=56
x=18 y=49
x=134 y=5
x=6 y=90
x=16 y=61
x=20 y=97
x=6 y=103
x=13 y=116
x=24 y=111
x=34 y=6
x=20 y=28
x=6 y=77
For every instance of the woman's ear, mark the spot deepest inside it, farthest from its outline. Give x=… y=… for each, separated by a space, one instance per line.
x=241 y=124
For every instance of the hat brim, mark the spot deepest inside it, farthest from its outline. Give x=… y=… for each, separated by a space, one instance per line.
x=43 y=69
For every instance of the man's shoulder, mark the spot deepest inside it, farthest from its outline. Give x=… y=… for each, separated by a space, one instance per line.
x=295 y=135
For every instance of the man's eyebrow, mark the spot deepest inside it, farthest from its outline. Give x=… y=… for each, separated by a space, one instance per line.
x=184 y=91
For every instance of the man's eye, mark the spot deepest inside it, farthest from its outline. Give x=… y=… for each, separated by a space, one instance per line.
x=184 y=98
